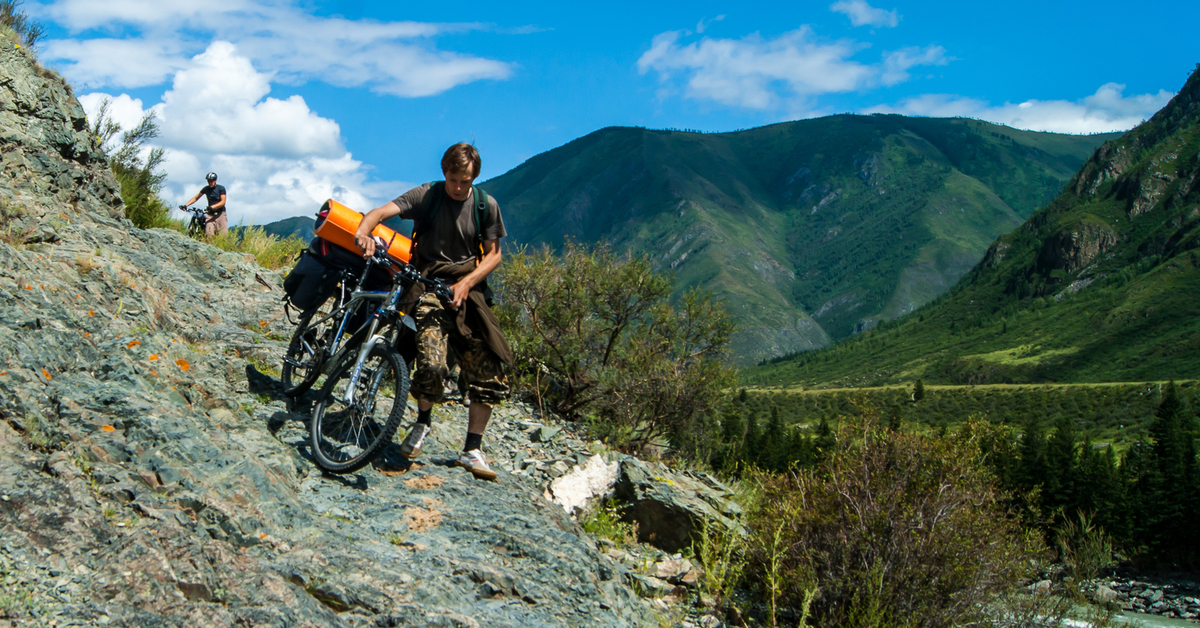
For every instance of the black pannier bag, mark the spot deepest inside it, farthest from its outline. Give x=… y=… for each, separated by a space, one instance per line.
x=321 y=266
x=310 y=282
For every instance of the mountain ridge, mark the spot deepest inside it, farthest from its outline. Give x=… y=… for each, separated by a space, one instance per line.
x=1097 y=285
x=812 y=230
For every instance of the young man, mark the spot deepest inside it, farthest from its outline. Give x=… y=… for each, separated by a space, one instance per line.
x=216 y=222
x=456 y=243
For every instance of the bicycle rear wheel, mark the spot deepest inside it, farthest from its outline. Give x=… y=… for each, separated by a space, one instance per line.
x=305 y=354
x=347 y=436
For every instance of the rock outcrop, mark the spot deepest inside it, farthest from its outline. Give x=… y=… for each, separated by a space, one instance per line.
x=152 y=474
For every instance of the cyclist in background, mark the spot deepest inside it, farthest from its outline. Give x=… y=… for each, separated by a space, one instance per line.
x=216 y=223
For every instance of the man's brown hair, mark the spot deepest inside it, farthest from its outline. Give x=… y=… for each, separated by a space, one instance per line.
x=462 y=157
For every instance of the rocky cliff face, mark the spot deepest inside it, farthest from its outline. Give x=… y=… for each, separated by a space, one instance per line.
x=152 y=475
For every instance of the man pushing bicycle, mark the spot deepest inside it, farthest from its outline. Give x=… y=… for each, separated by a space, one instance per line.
x=456 y=233
x=216 y=222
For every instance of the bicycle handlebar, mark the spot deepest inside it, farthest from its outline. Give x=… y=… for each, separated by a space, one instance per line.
x=197 y=211
x=409 y=273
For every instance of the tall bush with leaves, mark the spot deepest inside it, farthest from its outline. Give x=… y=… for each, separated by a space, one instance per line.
x=893 y=529
x=136 y=168
x=596 y=334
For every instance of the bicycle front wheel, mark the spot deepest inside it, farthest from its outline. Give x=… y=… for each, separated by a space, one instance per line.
x=346 y=435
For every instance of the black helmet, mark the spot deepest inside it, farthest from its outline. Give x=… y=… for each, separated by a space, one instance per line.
x=212 y=176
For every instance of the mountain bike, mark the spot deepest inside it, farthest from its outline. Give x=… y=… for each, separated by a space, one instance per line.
x=362 y=401
x=199 y=219
x=321 y=334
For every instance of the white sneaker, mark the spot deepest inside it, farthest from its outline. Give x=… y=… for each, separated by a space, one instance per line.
x=474 y=462
x=411 y=448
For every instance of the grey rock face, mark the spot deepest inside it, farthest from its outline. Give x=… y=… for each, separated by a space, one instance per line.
x=153 y=475
x=672 y=508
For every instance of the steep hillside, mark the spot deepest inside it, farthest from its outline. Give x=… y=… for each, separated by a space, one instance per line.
x=152 y=475
x=294 y=227
x=813 y=229
x=1102 y=284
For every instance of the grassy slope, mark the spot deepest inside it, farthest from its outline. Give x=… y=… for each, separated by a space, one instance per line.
x=914 y=204
x=1018 y=316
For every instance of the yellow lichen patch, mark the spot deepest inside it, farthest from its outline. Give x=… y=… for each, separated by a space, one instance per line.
x=183 y=364
x=133 y=343
x=46 y=373
x=107 y=428
x=153 y=357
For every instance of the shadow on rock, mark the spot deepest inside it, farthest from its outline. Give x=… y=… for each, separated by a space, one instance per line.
x=276 y=421
x=356 y=481
x=390 y=462
x=262 y=384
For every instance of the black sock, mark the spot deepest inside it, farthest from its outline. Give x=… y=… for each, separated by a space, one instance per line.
x=425 y=416
x=474 y=441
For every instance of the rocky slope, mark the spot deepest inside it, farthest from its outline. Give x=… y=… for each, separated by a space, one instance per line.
x=152 y=475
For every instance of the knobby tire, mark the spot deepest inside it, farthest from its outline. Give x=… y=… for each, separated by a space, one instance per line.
x=305 y=356
x=345 y=438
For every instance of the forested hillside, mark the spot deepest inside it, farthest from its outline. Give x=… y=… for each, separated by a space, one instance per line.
x=811 y=229
x=1099 y=285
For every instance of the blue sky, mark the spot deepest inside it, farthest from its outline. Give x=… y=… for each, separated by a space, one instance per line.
x=295 y=102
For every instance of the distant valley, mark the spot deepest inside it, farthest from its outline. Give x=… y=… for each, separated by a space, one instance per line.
x=811 y=230
x=1099 y=285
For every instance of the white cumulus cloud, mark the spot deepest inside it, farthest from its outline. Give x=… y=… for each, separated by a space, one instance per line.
x=157 y=38
x=1106 y=110
x=863 y=14
x=897 y=64
x=758 y=73
x=277 y=158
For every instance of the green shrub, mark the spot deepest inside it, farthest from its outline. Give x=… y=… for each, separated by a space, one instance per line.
x=892 y=529
x=17 y=26
x=595 y=334
x=139 y=176
x=269 y=251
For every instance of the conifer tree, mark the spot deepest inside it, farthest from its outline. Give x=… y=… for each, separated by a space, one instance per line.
x=774 y=444
x=1032 y=471
x=1058 y=491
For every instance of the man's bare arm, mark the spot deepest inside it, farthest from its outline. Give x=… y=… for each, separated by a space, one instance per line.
x=362 y=235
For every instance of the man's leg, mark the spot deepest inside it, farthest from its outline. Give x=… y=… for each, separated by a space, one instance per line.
x=486 y=385
x=427 y=378
x=478 y=417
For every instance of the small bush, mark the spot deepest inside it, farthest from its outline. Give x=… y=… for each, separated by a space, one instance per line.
x=604 y=521
x=595 y=334
x=17 y=26
x=893 y=529
x=138 y=175
x=269 y=251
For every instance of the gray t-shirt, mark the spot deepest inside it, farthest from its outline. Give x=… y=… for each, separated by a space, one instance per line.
x=450 y=235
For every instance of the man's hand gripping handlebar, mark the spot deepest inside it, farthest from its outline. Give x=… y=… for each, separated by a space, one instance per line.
x=377 y=253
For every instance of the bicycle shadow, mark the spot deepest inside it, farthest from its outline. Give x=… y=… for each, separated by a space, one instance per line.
x=390 y=462
x=260 y=383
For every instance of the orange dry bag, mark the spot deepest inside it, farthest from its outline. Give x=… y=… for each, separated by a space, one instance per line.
x=337 y=223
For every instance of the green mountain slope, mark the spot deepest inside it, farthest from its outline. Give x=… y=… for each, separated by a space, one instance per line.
x=294 y=227
x=1103 y=284
x=813 y=229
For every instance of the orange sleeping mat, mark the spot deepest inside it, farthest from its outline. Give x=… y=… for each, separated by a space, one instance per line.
x=339 y=223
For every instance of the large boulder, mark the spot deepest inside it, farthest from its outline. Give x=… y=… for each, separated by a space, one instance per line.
x=672 y=508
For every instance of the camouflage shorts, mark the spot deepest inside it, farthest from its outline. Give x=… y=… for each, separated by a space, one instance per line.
x=437 y=335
